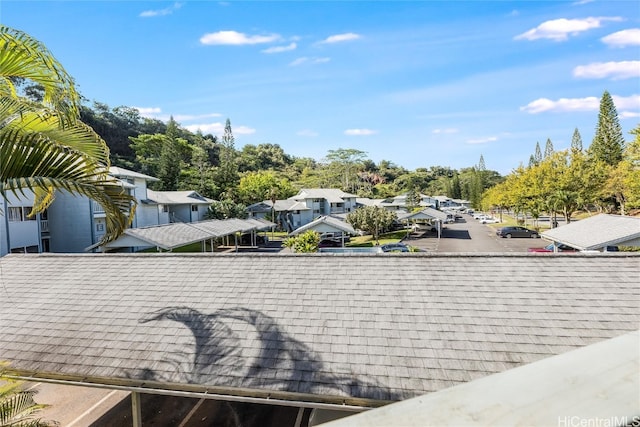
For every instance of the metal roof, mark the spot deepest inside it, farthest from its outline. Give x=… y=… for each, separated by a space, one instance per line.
x=597 y=232
x=122 y=172
x=177 y=198
x=427 y=213
x=325 y=224
x=175 y=235
x=354 y=330
x=598 y=382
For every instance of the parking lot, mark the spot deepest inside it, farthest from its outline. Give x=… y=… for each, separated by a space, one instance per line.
x=470 y=236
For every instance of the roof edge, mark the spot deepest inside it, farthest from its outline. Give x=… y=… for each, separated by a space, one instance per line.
x=262 y=396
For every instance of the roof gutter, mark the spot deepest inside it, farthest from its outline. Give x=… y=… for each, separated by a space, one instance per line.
x=231 y=394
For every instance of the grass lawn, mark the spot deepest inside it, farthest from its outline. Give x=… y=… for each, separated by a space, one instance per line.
x=367 y=241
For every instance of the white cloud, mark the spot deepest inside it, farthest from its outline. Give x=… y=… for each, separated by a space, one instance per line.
x=445 y=131
x=623 y=38
x=614 y=70
x=306 y=60
x=590 y=103
x=581 y=2
x=337 y=38
x=360 y=132
x=189 y=117
x=235 y=38
x=482 y=140
x=217 y=128
x=278 y=49
x=150 y=112
x=560 y=29
x=307 y=133
x=161 y=12
x=629 y=115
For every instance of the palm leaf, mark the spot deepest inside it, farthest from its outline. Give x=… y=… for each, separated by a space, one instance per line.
x=23 y=56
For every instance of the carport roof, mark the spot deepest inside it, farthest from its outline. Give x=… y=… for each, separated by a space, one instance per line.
x=326 y=224
x=597 y=232
x=427 y=213
x=175 y=235
x=272 y=327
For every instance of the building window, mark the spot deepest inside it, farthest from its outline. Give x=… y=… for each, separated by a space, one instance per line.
x=194 y=208
x=165 y=208
x=99 y=227
x=15 y=214
x=27 y=212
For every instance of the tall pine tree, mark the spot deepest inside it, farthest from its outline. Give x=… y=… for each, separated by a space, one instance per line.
x=169 y=163
x=228 y=169
x=548 y=148
x=576 y=141
x=608 y=142
x=537 y=155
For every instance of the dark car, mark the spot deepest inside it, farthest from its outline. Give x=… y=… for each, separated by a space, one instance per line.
x=516 y=231
x=549 y=248
x=329 y=243
x=395 y=247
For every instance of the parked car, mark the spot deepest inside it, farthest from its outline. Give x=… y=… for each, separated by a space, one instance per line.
x=549 y=248
x=395 y=247
x=329 y=243
x=489 y=220
x=516 y=231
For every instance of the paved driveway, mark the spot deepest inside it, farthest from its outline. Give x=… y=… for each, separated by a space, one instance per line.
x=471 y=236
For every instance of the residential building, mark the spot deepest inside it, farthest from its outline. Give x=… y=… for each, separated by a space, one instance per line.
x=73 y=223
x=304 y=207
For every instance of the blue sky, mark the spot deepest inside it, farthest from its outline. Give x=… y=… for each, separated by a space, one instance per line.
x=419 y=83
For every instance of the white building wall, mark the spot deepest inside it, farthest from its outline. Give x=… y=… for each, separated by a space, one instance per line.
x=146 y=215
x=18 y=231
x=71 y=223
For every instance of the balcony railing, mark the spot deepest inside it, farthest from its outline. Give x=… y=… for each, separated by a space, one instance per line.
x=44 y=226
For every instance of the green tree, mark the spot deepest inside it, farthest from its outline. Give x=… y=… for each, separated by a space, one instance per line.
x=548 y=148
x=257 y=186
x=170 y=164
x=306 y=242
x=225 y=209
x=537 y=155
x=227 y=175
x=372 y=220
x=576 y=141
x=608 y=142
x=44 y=147
x=345 y=164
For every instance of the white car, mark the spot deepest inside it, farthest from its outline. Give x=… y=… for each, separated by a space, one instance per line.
x=489 y=220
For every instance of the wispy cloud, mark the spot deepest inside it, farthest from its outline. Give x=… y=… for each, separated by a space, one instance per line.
x=581 y=2
x=236 y=39
x=629 y=114
x=151 y=112
x=306 y=60
x=482 y=140
x=307 y=133
x=161 y=12
x=561 y=29
x=190 y=117
x=360 y=132
x=338 y=38
x=613 y=70
x=630 y=37
x=590 y=103
x=445 y=131
x=217 y=128
x=279 y=49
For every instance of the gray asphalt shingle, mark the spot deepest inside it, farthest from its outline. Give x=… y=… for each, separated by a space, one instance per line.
x=370 y=327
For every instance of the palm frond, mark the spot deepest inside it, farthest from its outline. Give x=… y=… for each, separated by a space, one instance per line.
x=23 y=56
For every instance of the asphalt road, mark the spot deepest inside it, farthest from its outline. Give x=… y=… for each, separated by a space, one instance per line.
x=470 y=236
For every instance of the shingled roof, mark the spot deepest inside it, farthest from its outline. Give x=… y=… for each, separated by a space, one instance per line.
x=356 y=330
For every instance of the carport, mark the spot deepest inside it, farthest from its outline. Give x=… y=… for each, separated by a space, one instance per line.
x=171 y=236
x=427 y=214
x=597 y=233
x=327 y=224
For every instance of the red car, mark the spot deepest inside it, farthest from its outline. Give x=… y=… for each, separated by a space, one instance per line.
x=549 y=248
